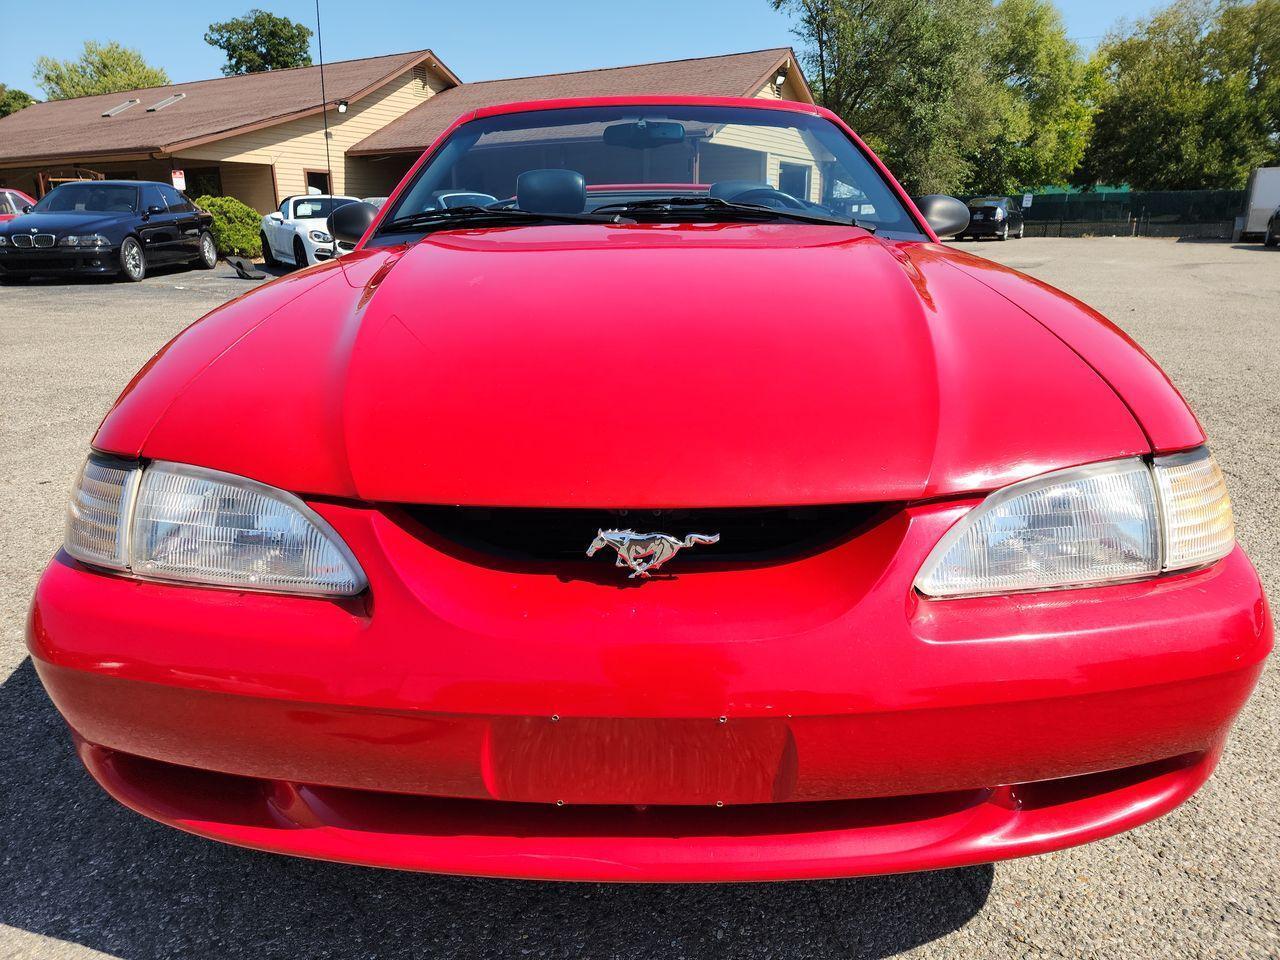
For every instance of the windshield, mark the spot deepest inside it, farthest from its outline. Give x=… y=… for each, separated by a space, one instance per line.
x=630 y=158
x=318 y=207
x=90 y=198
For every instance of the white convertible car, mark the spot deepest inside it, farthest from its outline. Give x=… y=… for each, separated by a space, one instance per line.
x=297 y=232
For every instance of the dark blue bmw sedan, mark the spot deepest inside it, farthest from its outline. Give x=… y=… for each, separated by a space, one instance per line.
x=97 y=227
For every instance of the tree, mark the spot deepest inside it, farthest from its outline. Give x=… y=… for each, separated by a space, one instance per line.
x=1041 y=93
x=955 y=95
x=901 y=73
x=12 y=100
x=260 y=41
x=1191 y=99
x=102 y=68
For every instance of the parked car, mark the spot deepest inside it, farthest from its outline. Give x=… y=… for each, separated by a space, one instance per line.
x=616 y=530
x=296 y=233
x=999 y=217
x=12 y=203
x=1272 y=235
x=103 y=227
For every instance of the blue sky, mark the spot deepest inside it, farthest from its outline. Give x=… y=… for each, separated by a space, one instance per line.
x=478 y=39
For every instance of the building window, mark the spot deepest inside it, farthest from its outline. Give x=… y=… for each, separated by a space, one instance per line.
x=318 y=179
x=793 y=178
x=204 y=182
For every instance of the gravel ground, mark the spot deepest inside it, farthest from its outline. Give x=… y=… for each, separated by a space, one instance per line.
x=83 y=877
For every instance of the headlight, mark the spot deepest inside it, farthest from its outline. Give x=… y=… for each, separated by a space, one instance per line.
x=319 y=236
x=4 y=241
x=89 y=240
x=1103 y=523
x=170 y=521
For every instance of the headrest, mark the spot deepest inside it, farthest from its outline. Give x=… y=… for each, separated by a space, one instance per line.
x=551 y=191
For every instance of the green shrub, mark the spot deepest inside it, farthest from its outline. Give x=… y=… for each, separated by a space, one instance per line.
x=236 y=226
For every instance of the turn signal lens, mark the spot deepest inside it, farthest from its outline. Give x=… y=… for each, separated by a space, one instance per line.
x=171 y=521
x=100 y=499
x=1198 y=525
x=1104 y=523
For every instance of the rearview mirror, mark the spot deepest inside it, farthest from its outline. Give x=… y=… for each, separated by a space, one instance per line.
x=155 y=209
x=946 y=215
x=349 y=222
x=644 y=133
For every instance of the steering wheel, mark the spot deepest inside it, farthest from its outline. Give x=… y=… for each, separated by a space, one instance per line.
x=768 y=197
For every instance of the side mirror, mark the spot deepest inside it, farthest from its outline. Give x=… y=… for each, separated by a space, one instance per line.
x=946 y=215
x=275 y=217
x=349 y=222
x=154 y=209
x=28 y=208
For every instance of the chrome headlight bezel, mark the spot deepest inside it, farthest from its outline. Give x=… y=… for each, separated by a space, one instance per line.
x=1179 y=505
x=125 y=542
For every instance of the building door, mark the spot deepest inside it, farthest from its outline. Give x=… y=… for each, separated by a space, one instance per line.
x=320 y=180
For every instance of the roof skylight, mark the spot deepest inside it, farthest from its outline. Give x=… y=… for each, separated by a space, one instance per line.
x=166 y=102
x=121 y=108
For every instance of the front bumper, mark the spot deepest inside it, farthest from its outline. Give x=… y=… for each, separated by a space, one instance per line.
x=59 y=262
x=471 y=718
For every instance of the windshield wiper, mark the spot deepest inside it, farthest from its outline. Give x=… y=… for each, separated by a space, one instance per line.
x=717 y=205
x=449 y=216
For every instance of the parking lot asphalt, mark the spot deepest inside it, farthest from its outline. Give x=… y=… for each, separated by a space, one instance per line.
x=83 y=877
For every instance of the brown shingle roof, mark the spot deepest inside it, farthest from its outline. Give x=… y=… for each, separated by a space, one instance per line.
x=210 y=109
x=735 y=75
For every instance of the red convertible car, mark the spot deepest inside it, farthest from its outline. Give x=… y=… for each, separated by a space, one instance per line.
x=650 y=496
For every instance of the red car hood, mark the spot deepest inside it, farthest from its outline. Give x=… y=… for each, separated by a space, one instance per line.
x=628 y=366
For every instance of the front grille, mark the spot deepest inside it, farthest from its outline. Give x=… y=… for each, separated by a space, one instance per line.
x=34 y=240
x=747 y=534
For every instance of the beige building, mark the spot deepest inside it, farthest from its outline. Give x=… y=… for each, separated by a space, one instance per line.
x=261 y=137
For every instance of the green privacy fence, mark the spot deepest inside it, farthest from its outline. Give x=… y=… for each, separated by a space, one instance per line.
x=1176 y=213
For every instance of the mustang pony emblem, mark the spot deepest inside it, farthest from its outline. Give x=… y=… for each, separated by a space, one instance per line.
x=644 y=552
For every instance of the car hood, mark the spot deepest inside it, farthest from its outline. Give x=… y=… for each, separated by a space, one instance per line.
x=628 y=366
x=63 y=222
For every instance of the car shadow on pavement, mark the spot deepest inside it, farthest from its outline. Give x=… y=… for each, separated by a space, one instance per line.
x=80 y=868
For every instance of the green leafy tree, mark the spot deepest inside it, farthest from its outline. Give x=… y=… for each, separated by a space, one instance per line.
x=102 y=68
x=12 y=100
x=1191 y=97
x=260 y=41
x=956 y=94
x=901 y=73
x=1041 y=95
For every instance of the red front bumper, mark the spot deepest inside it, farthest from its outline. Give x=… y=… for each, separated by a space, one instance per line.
x=845 y=725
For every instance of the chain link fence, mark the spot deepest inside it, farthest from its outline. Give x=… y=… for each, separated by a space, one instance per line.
x=1206 y=214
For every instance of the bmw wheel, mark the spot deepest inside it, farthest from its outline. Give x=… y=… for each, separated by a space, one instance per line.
x=267 y=256
x=299 y=253
x=133 y=265
x=208 y=258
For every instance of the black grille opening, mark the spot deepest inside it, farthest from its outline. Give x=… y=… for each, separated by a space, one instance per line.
x=747 y=534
